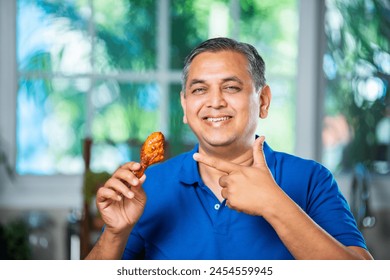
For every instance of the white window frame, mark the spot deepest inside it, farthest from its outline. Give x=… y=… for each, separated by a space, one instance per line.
x=310 y=79
x=60 y=191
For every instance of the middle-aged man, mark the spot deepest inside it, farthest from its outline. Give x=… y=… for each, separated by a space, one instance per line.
x=232 y=196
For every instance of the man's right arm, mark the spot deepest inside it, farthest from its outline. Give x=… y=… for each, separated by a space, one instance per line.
x=121 y=202
x=110 y=246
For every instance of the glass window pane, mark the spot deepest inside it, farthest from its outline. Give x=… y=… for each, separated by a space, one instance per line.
x=52 y=36
x=275 y=38
x=107 y=157
x=356 y=68
x=50 y=126
x=181 y=136
x=124 y=111
x=193 y=21
x=279 y=126
x=125 y=35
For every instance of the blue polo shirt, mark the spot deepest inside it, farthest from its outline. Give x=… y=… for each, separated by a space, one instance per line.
x=183 y=219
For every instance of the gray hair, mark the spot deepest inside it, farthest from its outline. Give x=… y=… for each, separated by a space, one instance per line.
x=256 y=65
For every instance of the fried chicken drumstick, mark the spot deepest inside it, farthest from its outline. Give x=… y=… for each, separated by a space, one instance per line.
x=152 y=151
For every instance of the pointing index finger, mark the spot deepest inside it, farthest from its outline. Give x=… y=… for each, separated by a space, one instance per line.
x=218 y=164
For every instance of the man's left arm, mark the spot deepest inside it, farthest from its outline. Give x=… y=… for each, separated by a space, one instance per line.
x=262 y=196
x=303 y=237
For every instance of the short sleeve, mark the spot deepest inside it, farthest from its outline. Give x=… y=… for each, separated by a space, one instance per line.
x=327 y=206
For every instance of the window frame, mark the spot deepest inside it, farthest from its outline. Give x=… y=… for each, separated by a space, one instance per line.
x=64 y=191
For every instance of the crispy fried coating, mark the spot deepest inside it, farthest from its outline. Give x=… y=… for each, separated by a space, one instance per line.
x=152 y=151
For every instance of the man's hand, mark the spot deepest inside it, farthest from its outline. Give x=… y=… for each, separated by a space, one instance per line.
x=247 y=189
x=121 y=200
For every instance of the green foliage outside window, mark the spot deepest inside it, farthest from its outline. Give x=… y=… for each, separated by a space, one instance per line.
x=357 y=68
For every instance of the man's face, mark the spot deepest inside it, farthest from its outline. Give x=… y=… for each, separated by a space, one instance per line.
x=220 y=103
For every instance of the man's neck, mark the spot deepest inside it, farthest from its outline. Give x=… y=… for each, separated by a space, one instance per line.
x=210 y=176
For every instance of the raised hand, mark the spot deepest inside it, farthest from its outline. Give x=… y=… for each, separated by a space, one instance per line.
x=121 y=200
x=249 y=189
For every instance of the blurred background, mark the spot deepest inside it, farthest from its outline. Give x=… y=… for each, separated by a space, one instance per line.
x=84 y=82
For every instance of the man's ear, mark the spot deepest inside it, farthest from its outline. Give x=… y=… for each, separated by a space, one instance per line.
x=265 y=101
x=183 y=106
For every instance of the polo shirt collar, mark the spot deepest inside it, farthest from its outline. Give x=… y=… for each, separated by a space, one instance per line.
x=189 y=173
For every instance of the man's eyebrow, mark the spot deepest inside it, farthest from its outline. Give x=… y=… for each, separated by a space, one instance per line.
x=196 y=81
x=228 y=79
x=233 y=79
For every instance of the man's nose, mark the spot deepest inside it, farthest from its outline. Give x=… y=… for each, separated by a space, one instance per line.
x=216 y=99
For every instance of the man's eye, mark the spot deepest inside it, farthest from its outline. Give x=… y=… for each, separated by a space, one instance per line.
x=232 y=89
x=199 y=91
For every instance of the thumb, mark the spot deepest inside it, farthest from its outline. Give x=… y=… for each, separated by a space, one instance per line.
x=258 y=153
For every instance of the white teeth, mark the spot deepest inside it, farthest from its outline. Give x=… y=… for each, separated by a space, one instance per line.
x=217 y=119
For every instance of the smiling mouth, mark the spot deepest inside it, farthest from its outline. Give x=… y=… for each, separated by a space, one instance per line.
x=219 y=119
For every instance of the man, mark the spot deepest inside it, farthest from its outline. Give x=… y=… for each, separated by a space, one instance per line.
x=232 y=197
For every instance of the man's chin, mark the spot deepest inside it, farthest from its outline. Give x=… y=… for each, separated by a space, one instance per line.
x=219 y=142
